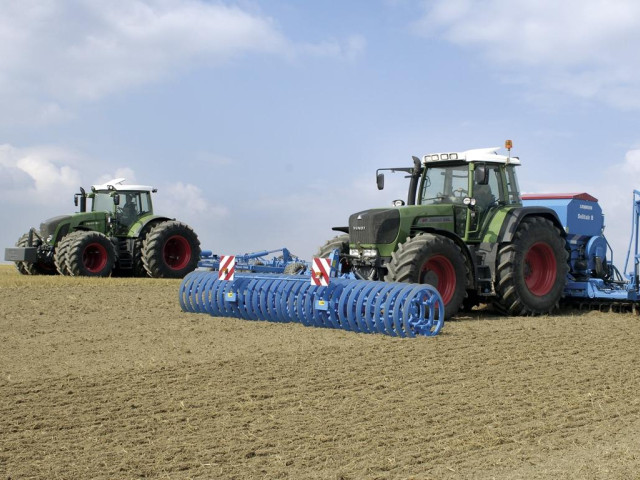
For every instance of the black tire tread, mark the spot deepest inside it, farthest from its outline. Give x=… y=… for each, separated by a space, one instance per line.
x=510 y=301
x=60 y=253
x=23 y=241
x=153 y=243
x=341 y=242
x=406 y=262
x=76 y=245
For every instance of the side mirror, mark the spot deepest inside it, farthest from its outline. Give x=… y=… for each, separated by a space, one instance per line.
x=380 y=181
x=481 y=175
x=75 y=200
x=116 y=199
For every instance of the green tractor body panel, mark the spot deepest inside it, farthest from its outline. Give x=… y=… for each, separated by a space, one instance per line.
x=410 y=219
x=494 y=226
x=143 y=222
x=54 y=229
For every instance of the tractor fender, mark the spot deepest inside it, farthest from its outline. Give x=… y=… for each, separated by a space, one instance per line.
x=515 y=216
x=144 y=222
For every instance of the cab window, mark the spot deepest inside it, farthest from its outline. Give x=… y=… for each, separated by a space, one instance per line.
x=513 y=190
x=445 y=185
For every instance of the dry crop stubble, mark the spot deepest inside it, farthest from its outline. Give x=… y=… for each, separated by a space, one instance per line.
x=107 y=378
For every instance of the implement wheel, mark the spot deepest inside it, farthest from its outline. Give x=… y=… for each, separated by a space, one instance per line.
x=170 y=250
x=90 y=254
x=532 y=269
x=435 y=260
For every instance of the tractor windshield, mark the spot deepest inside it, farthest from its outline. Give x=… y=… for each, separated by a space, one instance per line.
x=445 y=184
x=102 y=202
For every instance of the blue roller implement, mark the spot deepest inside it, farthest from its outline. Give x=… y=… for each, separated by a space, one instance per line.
x=397 y=309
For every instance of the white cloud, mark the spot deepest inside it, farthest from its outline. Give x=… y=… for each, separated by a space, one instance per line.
x=584 y=48
x=53 y=53
x=348 y=49
x=124 y=172
x=86 y=49
x=38 y=174
x=186 y=197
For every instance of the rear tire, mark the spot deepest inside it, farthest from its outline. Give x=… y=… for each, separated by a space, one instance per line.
x=170 y=250
x=138 y=264
x=90 y=254
x=532 y=269
x=435 y=260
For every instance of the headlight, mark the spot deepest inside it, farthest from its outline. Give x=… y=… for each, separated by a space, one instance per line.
x=366 y=252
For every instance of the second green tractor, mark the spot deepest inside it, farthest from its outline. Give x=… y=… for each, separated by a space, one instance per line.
x=464 y=230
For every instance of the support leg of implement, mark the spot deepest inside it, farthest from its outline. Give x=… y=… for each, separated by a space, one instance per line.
x=397 y=309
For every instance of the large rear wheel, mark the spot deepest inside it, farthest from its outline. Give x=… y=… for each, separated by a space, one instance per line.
x=435 y=260
x=170 y=250
x=532 y=269
x=90 y=254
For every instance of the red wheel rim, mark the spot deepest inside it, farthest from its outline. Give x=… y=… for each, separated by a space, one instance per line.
x=439 y=272
x=94 y=257
x=177 y=252
x=540 y=269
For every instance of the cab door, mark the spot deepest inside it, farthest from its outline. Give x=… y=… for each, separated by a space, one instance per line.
x=488 y=198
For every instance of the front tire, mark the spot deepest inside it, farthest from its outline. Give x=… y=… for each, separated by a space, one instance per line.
x=90 y=254
x=170 y=250
x=532 y=269
x=61 y=251
x=28 y=268
x=435 y=260
x=341 y=242
x=22 y=242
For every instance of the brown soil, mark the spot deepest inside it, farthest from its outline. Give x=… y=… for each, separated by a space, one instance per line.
x=107 y=378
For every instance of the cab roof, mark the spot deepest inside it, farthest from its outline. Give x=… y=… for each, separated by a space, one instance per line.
x=117 y=184
x=489 y=155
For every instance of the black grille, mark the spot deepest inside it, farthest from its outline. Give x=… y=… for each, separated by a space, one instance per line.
x=374 y=226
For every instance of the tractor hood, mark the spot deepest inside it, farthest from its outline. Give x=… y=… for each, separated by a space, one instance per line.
x=49 y=226
x=376 y=226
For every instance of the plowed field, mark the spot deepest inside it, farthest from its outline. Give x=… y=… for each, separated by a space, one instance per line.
x=108 y=379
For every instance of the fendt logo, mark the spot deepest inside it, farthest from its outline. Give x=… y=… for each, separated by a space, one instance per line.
x=359 y=227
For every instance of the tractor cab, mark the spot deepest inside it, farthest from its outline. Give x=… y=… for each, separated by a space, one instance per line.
x=124 y=204
x=474 y=185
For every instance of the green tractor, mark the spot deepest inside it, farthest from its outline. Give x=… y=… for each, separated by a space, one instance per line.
x=463 y=230
x=119 y=235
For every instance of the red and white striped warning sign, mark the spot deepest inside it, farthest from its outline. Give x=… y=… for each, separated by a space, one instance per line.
x=320 y=272
x=227 y=267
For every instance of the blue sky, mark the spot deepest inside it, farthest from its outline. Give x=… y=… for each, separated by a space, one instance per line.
x=261 y=123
